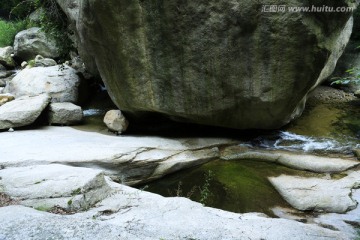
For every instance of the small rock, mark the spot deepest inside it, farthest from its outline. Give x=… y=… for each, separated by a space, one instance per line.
x=11 y=130
x=7 y=97
x=40 y=61
x=115 y=121
x=6 y=58
x=24 y=64
x=65 y=113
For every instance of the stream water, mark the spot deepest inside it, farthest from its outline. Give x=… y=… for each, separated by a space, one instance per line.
x=242 y=186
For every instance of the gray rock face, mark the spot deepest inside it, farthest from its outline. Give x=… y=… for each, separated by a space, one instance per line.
x=65 y=113
x=40 y=61
x=134 y=214
x=128 y=159
x=22 y=111
x=46 y=186
x=115 y=121
x=296 y=161
x=61 y=84
x=32 y=42
x=5 y=57
x=329 y=195
x=221 y=63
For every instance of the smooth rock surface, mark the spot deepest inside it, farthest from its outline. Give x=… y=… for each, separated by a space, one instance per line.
x=131 y=159
x=210 y=62
x=116 y=121
x=46 y=186
x=22 y=111
x=32 y=42
x=134 y=214
x=65 y=113
x=61 y=84
x=328 y=195
x=5 y=56
x=296 y=161
x=40 y=61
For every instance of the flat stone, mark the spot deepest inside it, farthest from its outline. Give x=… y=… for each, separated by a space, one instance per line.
x=22 y=111
x=65 y=113
x=46 y=186
x=135 y=214
x=296 y=161
x=132 y=159
x=323 y=195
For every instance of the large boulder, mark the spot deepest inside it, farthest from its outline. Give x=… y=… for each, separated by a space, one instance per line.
x=61 y=83
x=6 y=57
x=223 y=63
x=22 y=111
x=32 y=42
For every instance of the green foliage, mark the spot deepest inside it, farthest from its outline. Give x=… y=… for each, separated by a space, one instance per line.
x=53 y=21
x=352 y=76
x=205 y=192
x=8 y=31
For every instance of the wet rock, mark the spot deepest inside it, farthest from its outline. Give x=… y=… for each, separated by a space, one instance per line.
x=46 y=186
x=2 y=68
x=322 y=195
x=22 y=111
x=131 y=159
x=40 y=61
x=296 y=161
x=32 y=42
x=2 y=83
x=4 y=98
x=6 y=58
x=116 y=121
x=65 y=113
x=60 y=83
x=24 y=64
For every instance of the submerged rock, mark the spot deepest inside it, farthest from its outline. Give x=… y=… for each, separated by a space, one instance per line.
x=60 y=83
x=223 y=63
x=22 y=111
x=65 y=113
